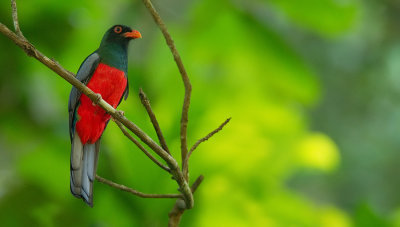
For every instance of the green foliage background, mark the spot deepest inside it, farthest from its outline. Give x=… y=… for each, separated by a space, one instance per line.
x=312 y=87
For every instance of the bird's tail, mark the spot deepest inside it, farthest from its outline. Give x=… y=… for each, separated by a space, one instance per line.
x=83 y=168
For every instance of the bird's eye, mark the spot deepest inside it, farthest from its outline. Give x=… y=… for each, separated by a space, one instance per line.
x=118 y=29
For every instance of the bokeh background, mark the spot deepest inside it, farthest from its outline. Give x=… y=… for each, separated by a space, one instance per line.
x=312 y=86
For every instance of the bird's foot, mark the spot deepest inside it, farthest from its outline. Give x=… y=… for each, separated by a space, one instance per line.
x=119 y=112
x=98 y=98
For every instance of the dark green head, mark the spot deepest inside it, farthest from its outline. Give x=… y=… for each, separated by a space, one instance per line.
x=114 y=45
x=119 y=34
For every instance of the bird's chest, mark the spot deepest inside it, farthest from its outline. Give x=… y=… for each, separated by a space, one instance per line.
x=108 y=81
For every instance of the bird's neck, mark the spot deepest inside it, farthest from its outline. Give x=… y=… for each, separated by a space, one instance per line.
x=115 y=55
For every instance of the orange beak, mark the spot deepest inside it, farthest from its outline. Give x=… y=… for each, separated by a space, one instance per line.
x=133 y=34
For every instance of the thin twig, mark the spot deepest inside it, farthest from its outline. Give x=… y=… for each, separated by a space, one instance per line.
x=146 y=104
x=197 y=183
x=133 y=191
x=207 y=137
x=15 y=19
x=31 y=51
x=126 y=133
x=185 y=78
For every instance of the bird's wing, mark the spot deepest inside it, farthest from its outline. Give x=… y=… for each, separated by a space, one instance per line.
x=84 y=74
x=126 y=92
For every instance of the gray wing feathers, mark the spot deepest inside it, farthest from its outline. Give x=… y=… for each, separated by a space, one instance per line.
x=84 y=74
x=86 y=67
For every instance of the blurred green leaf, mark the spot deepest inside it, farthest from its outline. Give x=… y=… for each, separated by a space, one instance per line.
x=326 y=17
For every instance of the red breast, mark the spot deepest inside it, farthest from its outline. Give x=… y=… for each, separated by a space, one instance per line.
x=110 y=83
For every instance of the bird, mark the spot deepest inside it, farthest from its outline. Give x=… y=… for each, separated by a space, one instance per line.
x=105 y=73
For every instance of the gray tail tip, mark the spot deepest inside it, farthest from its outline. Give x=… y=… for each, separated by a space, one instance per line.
x=89 y=202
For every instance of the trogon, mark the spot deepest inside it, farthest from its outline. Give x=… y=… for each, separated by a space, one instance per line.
x=105 y=73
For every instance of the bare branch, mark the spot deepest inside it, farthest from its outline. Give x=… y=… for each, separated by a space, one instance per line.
x=126 y=133
x=146 y=104
x=15 y=18
x=185 y=78
x=134 y=192
x=68 y=76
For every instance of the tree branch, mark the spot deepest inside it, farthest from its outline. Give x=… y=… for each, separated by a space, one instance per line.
x=153 y=119
x=31 y=51
x=133 y=191
x=126 y=133
x=185 y=78
x=15 y=19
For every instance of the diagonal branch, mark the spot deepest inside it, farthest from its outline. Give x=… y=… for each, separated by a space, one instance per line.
x=126 y=133
x=146 y=104
x=133 y=191
x=185 y=78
